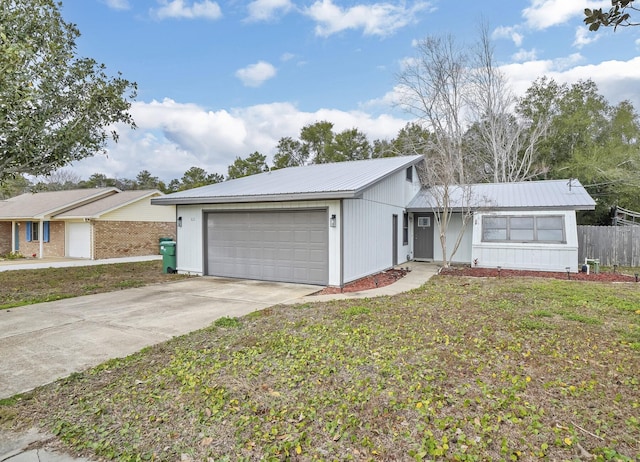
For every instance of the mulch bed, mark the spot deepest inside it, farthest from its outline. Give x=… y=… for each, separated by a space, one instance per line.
x=370 y=282
x=505 y=273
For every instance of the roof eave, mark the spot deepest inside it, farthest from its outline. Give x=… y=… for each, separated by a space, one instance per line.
x=261 y=198
x=491 y=208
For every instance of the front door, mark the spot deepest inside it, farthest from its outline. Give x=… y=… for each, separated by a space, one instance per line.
x=423 y=236
x=16 y=239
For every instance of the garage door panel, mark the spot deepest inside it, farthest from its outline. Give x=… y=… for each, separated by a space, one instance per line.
x=79 y=240
x=289 y=246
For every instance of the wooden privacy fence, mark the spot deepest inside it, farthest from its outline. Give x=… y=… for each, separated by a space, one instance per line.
x=612 y=245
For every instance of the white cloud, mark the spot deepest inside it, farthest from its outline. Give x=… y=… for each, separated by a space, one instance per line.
x=524 y=55
x=180 y=9
x=256 y=74
x=118 y=4
x=616 y=80
x=546 y=13
x=584 y=37
x=380 y=19
x=266 y=10
x=172 y=137
x=287 y=57
x=508 y=32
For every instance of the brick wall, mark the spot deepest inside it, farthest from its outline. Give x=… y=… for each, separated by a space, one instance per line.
x=53 y=248
x=5 y=237
x=129 y=238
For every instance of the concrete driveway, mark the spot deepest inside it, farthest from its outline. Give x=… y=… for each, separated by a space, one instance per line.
x=44 y=342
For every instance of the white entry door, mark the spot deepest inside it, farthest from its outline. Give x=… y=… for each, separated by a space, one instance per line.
x=79 y=240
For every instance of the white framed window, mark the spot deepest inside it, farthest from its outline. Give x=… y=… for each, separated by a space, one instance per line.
x=424 y=222
x=523 y=228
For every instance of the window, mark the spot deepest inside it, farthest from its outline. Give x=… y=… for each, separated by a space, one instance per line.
x=546 y=228
x=405 y=228
x=424 y=222
x=33 y=231
x=410 y=174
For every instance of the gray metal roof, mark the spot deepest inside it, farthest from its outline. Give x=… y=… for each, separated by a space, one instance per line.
x=107 y=204
x=547 y=194
x=318 y=181
x=45 y=204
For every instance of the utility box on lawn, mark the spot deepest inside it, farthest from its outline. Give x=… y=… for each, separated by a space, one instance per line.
x=168 y=252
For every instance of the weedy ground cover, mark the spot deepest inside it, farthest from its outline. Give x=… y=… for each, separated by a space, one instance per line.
x=461 y=369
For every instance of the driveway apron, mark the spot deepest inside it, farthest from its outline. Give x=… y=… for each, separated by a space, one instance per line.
x=44 y=342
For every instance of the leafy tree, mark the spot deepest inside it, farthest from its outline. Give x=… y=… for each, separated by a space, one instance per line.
x=255 y=163
x=618 y=15
x=289 y=154
x=591 y=140
x=54 y=106
x=350 y=144
x=14 y=186
x=144 y=180
x=98 y=180
x=196 y=177
x=317 y=142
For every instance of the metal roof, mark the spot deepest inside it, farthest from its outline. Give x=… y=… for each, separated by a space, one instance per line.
x=107 y=204
x=46 y=204
x=547 y=194
x=317 y=181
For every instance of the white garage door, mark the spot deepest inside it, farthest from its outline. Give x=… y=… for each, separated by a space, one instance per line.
x=79 y=240
x=288 y=246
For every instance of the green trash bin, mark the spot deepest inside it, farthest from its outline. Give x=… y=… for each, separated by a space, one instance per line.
x=168 y=252
x=161 y=240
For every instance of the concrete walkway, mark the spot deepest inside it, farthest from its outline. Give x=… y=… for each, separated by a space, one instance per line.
x=43 y=342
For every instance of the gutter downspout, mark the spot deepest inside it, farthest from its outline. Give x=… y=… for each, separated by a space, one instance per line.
x=341 y=243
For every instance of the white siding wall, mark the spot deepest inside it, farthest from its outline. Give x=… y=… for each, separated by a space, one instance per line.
x=463 y=254
x=142 y=210
x=527 y=256
x=368 y=226
x=190 y=243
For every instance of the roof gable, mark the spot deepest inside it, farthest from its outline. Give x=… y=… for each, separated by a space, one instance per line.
x=108 y=204
x=43 y=205
x=316 y=181
x=547 y=194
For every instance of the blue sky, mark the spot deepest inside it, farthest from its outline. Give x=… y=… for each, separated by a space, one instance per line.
x=219 y=79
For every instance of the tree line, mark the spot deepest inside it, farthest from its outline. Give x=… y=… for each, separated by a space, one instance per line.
x=55 y=109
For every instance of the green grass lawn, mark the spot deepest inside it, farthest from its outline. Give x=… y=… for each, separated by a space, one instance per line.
x=460 y=369
x=26 y=287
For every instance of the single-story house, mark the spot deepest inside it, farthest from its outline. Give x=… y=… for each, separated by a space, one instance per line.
x=84 y=223
x=528 y=225
x=330 y=224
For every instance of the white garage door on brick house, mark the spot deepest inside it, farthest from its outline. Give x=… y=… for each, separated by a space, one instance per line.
x=281 y=245
x=78 y=240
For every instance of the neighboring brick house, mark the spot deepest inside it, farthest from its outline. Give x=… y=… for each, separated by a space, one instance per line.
x=84 y=223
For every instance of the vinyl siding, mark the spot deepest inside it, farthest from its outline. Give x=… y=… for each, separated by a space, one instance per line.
x=368 y=227
x=463 y=254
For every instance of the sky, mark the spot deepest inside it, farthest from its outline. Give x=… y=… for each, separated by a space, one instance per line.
x=220 y=79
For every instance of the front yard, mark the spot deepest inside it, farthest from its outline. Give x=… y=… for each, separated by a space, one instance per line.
x=460 y=369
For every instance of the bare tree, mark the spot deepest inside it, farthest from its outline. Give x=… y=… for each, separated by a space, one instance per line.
x=504 y=144
x=59 y=180
x=435 y=88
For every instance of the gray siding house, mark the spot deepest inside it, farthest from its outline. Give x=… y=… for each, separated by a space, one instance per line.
x=330 y=224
